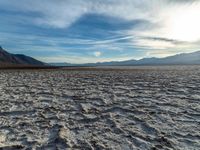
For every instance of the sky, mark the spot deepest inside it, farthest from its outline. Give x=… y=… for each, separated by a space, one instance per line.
x=82 y=31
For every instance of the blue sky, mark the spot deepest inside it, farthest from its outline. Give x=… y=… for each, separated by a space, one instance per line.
x=81 y=31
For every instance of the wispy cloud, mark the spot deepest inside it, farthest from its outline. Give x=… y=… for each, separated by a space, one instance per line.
x=130 y=27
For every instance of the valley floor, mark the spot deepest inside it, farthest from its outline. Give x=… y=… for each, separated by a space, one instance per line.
x=132 y=108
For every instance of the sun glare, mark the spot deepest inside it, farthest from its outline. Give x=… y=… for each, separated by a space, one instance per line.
x=185 y=24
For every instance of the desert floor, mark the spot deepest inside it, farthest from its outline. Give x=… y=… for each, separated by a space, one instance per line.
x=103 y=108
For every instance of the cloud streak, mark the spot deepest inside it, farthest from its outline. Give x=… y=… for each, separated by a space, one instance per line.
x=128 y=27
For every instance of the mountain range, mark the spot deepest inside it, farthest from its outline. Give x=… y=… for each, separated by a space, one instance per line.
x=179 y=59
x=8 y=59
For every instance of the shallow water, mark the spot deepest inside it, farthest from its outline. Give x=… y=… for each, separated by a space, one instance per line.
x=134 y=108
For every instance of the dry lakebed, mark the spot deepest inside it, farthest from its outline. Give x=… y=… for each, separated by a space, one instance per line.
x=126 y=108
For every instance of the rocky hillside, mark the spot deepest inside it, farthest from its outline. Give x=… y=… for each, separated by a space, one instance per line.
x=7 y=58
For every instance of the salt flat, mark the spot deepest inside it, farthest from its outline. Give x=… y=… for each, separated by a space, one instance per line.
x=131 y=108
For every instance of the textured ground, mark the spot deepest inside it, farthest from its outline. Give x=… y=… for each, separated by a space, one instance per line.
x=148 y=108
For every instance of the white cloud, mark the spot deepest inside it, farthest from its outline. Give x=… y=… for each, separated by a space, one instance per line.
x=63 y=13
x=164 y=14
x=170 y=19
x=58 y=14
x=97 y=54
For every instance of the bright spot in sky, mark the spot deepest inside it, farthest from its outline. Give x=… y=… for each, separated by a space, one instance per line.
x=184 y=24
x=97 y=54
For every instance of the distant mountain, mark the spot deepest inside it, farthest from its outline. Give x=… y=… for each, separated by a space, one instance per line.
x=7 y=58
x=61 y=64
x=179 y=59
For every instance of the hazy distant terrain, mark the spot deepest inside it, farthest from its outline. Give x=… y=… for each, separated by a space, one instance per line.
x=127 y=108
x=179 y=59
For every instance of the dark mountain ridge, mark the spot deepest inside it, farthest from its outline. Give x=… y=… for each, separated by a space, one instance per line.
x=7 y=58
